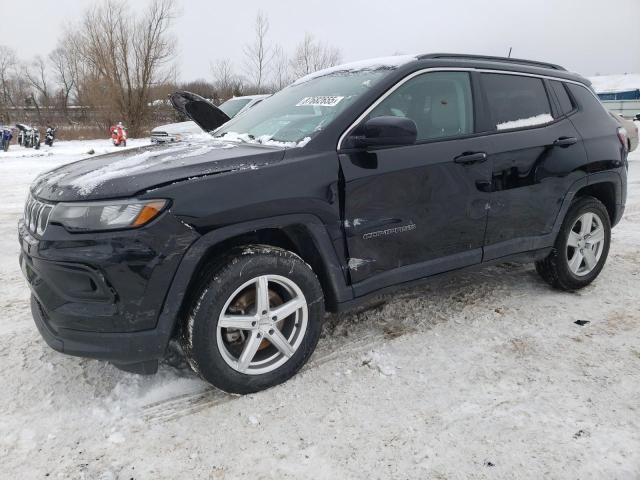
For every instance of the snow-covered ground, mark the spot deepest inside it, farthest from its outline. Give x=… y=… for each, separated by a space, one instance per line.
x=479 y=374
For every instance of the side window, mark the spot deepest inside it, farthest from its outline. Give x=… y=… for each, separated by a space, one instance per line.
x=440 y=103
x=566 y=105
x=516 y=101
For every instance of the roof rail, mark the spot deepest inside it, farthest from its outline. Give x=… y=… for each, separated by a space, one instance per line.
x=462 y=56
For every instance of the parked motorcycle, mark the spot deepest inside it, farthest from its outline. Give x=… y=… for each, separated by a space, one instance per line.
x=28 y=136
x=119 y=135
x=5 y=138
x=36 y=138
x=22 y=129
x=50 y=136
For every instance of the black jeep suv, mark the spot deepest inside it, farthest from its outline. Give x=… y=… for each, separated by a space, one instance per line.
x=348 y=182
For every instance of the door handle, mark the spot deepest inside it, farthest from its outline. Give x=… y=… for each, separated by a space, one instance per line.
x=565 y=142
x=468 y=158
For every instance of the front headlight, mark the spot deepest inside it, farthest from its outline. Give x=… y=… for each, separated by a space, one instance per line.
x=108 y=215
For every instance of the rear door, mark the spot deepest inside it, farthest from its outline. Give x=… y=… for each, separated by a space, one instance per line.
x=534 y=155
x=417 y=210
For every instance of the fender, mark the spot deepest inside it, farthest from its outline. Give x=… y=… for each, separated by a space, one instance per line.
x=566 y=203
x=613 y=176
x=340 y=291
x=592 y=179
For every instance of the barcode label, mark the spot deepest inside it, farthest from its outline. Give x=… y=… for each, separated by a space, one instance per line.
x=324 y=101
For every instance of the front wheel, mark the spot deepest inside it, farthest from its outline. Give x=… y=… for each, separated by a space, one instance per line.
x=255 y=320
x=581 y=248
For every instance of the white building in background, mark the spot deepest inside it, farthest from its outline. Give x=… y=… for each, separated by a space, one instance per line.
x=619 y=93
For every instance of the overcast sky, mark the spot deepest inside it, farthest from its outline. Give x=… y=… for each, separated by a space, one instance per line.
x=586 y=36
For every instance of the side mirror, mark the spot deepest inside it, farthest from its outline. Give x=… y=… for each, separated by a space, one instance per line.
x=638 y=117
x=388 y=131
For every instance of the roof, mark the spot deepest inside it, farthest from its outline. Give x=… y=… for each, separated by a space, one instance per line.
x=379 y=63
x=488 y=58
x=452 y=60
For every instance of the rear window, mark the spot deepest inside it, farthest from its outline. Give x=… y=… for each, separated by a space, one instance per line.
x=516 y=101
x=566 y=105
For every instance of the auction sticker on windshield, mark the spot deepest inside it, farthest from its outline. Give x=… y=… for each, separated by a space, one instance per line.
x=323 y=101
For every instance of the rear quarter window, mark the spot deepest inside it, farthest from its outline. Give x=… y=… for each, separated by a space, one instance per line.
x=516 y=101
x=564 y=100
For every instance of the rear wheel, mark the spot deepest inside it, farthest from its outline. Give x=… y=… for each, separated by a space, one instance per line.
x=256 y=320
x=581 y=248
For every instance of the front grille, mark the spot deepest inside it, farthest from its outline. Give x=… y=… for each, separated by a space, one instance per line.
x=159 y=134
x=36 y=215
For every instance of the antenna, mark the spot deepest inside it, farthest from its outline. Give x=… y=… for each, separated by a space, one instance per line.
x=510 y=48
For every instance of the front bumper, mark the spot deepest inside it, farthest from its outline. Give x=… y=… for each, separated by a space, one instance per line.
x=100 y=295
x=133 y=351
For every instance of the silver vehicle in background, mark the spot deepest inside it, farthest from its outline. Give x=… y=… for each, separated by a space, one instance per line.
x=175 y=132
x=632 y=130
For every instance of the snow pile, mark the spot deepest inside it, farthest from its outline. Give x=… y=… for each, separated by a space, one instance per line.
x=381 y=361
x=526 y=122
x=262 y=140
x=615 y=83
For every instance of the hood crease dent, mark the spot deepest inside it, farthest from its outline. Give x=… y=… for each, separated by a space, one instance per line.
x=129 y=172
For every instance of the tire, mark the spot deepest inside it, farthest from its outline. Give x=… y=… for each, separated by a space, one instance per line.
x=124 y=143
x=571 y=267
x=232 y=286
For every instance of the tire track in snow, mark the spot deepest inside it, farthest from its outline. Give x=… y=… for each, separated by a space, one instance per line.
x=443 y=299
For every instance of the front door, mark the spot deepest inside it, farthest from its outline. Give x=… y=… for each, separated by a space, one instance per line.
x=417 y=210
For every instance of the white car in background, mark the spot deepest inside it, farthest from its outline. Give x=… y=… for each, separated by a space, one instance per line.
x=175 y=132
x=632 y=130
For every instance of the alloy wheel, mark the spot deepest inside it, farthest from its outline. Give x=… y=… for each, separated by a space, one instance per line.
x=585 y=243
x=262 y=324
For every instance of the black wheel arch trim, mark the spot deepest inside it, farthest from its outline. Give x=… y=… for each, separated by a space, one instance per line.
x=178 y=291
x=611 y=177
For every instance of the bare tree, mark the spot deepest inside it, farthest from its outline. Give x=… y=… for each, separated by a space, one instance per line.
x=70 y=67
x=311 y=55
x=37 y=74
x=8 y=64
x=259 y=54
x=225 y=79
x=280 y=71
x=126 y=56
x=64 y=69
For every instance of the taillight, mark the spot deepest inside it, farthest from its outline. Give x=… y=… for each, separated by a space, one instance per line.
x=622 y=136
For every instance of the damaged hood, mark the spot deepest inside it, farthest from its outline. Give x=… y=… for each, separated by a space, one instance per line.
x=126 y=173
x=200 y=110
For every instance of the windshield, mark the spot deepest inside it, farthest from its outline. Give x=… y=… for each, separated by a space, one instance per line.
x=232 y=106
x=296 y=114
